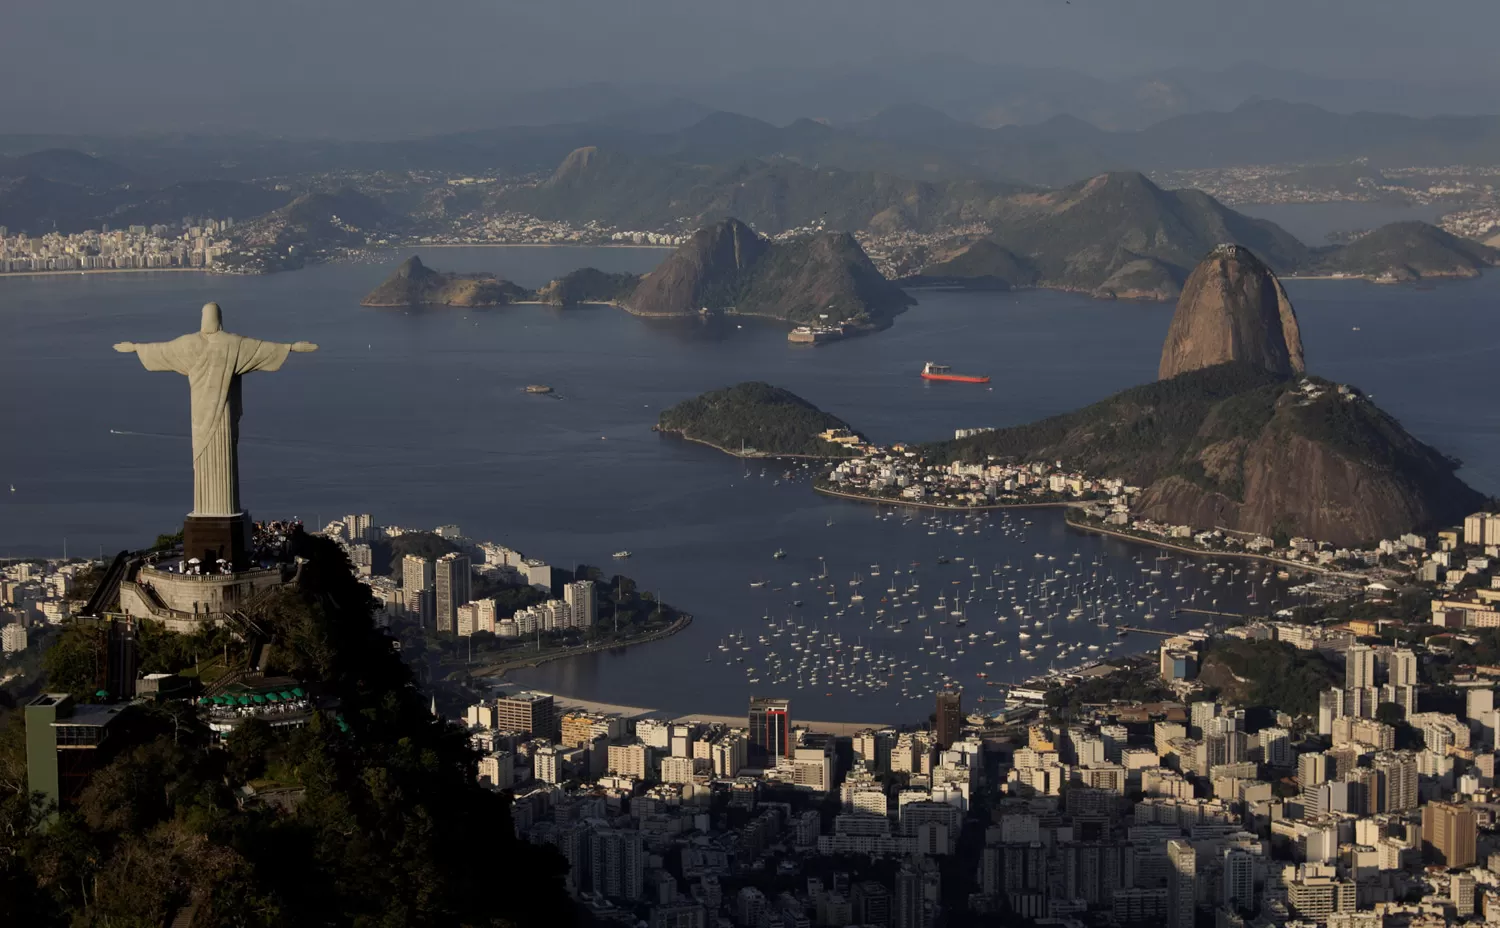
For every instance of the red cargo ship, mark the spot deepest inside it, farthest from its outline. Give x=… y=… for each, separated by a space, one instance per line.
x=931 y=371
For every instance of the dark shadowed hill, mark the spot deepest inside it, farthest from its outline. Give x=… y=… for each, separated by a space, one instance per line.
x=1120 y=235
x=756 y=417
x=1240 y=447
x=727 y=267
x=67 y=166
x=589 y=285
x=1408 y=251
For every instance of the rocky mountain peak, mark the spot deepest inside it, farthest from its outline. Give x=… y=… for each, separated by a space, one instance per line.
x=1232 y=308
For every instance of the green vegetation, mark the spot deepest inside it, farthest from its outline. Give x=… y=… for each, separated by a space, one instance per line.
x=1128 y=684
x=1268 y=673
x=386 y=553
x=589 y=285
x=384 y=825
x=1407 y=251
x=756 y=416
x=1331 y=466
x=1139 y=434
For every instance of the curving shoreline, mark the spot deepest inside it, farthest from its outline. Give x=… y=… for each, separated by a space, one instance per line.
x=1201 y=552
x=882 y=501
x=746 y=455
x=1082 y=526
x=684 y=619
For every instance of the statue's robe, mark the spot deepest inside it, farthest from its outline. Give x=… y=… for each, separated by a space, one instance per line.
x=213 y=364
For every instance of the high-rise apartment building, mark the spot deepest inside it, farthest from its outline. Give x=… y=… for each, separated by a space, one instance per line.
x=1397 y=772
x=770 y=730
x=813 y=762
x=1239 y=880
x=950 y=718
x=1449 y=833
x=528 y=712
x=416 y=588
x=909 y=909
x=1482 y=528
x=360 y=526
x=583 y=604
x=1182 y=883
x=729 y=754
x=546 y=765
x=1276 y=747
x=1359 y=667
x=1403 y=667
x=451 y=589
x=618 y=863
x=630 y=760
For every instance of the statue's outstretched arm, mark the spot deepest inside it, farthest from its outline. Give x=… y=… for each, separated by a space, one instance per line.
x=304 y=347
x=125 y=347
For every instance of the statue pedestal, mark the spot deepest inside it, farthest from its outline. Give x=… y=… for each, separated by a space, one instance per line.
x=209 y=538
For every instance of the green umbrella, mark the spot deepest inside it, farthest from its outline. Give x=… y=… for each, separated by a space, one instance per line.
x=273 y=697
x=297 y=691
x=258 y=699
x=287 y=696
x=244 y=700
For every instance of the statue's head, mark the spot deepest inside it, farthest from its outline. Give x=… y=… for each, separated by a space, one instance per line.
x=212 y=321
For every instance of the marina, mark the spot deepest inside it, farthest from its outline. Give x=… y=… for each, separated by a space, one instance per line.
x=881 y=607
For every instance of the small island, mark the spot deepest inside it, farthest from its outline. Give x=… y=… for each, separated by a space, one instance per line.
x=416 y=284
x=755 y=419
x=589 y=285
x=823 y=280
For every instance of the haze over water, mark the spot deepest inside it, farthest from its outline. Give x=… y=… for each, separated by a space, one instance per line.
x=418 y=417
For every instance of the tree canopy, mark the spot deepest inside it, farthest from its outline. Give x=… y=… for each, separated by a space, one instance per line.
x=383 y=823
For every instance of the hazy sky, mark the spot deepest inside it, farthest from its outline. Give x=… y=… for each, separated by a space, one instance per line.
x=87 y=63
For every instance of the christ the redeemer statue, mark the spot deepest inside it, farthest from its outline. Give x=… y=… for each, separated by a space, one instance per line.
x=213 y=361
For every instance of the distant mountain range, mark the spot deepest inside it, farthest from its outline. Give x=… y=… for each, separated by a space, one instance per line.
x=907 y=140
x=772 y=195
x=981 y=93
x=1120 y=236
x=67 y=191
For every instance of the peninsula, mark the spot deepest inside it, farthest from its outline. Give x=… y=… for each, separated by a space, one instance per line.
x=1235 y=435
x=755 y=419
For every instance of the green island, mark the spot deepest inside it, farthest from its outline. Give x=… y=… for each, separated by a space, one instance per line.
x=416 y=284
x=755 y=419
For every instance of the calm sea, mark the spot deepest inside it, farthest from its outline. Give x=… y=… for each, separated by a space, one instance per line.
x=419 y=418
